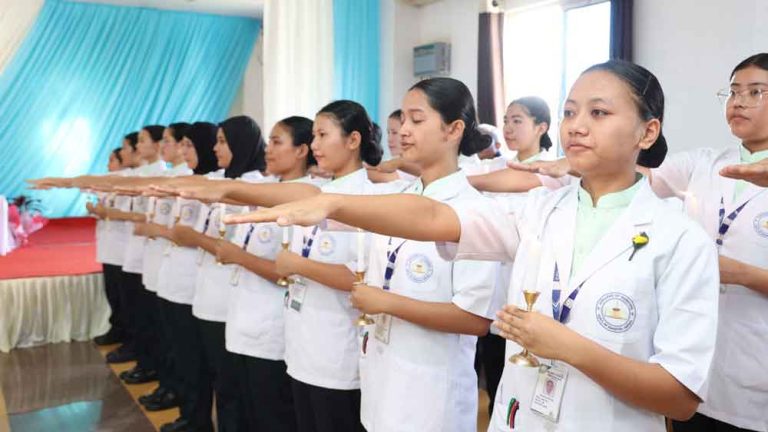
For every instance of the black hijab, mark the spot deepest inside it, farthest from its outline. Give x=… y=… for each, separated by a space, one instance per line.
x=246 y=144
x=203 y=136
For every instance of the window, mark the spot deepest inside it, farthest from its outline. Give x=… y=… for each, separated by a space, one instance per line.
x=547 y=46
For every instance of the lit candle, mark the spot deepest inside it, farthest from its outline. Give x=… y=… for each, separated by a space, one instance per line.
x=692 y=206
x=151 y=208
x=222 y=212
x=177 y=210
x=287 y=233
x=530 y=280
x=360 y=251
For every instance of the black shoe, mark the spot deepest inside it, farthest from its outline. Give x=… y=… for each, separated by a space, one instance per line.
x=141 y=376
x=121 y=355
x=180 y=425
x=167 y=401
x=158 y=393
x=109 y=338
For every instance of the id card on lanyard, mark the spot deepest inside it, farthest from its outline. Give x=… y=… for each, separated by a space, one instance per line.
x=384 y=321
x=724 y=226
x=234 y=279
x=201 y=251
x=298 y=289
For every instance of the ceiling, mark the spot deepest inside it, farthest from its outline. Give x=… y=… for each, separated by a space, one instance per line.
x=252 y=8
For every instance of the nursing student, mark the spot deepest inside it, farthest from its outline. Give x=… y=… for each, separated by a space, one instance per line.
x=239 y=151
x=177 y=276
x=417 y=360
x=321 y=338
x=735 y=215
x=255 y=327
x=526 y=132
x=619 y=272
x=164 y=396
x=116 y=331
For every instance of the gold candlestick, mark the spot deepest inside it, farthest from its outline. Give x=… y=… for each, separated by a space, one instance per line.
x=524 y=358
x=363 y=319
x=284 y=281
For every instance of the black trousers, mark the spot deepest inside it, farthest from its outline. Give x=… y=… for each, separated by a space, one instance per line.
x=321 y=409
x=112 y=290
x=490 y=358
x=702 y=423
x=222 y=367
x=130 y=290
x=266 y=395
x=194 y=379
x=166 y=358
x=147 y=328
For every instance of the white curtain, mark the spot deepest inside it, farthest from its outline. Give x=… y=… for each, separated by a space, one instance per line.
x=298 y=58
x=43 y=310
x=16 y=18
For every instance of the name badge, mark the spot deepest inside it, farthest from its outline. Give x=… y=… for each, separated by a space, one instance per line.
x=383 y=328
x=234 y=278
x=548 y=393
x=298 y=292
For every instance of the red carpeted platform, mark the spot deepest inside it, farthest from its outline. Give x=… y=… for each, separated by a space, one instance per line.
x=64 y=247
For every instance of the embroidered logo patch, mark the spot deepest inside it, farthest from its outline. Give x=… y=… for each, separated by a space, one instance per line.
x=761 y=224
x=187 y=212
x=326 y=244
x=265 y=234
x=165 y=208
x=616 y=312
x=419 y=268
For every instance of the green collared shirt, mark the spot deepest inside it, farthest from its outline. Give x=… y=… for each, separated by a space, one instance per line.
x=532 y=159
x=747 y=158
x=592 y=222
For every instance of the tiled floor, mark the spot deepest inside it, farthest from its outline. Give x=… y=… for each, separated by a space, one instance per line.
x=64 y=387
x=68 y=387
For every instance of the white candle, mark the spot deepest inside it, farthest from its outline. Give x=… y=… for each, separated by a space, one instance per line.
x=222 y=212
x=692 y=206
x=360 y=250
x=532 y=263
x=287 y=232
x=177 y=209
x=151 y=208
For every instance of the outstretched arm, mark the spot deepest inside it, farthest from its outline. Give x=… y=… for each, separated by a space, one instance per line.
x=756 y=173
x=400 y=215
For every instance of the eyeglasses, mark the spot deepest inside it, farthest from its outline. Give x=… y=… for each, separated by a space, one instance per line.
x=750 y=98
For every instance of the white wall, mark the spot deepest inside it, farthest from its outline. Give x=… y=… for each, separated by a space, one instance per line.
x=404 y=27
x=692 y=46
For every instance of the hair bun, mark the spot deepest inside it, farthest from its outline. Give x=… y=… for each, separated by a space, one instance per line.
x=654 y=155
x=474 y=142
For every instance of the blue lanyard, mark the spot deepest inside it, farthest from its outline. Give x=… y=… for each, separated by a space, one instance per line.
x=391 y=259
x=561 y=312
x=248 y=236
x=725 y=223
x=308 y=242
x=207 y=221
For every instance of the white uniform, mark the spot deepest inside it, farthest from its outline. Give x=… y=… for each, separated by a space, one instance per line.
x=177 y=275
x=738 y=390
x=134 y=251
x=116 y=232
x=414 y=378
x=256 y=312
x=321 y=339
x=659 y=307
x=155 y=247
x=213 y=279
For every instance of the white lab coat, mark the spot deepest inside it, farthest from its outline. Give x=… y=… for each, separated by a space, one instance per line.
x=424 y=380
x=134 y=250
x=666 y=298
x=738 y=392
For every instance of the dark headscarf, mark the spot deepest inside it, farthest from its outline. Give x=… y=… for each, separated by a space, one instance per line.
x=203 y=136
x=246 y=144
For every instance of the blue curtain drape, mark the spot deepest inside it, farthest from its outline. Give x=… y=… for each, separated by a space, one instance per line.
x=87 y=74
x=356 y=47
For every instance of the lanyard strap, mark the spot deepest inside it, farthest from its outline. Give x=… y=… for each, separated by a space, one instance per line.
x=391 y=259
x=561 y=312
x=207 y=221
x=725 y=223
x=248 y=236
x=308 y=242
